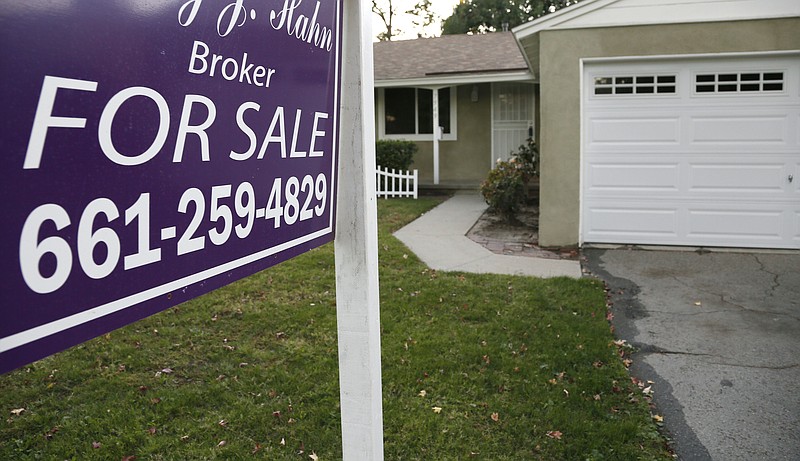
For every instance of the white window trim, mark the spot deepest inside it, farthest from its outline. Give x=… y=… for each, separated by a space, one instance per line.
x=452 y=136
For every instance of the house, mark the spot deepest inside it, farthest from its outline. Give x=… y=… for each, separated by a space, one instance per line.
x=667 y=122
x=478 y=87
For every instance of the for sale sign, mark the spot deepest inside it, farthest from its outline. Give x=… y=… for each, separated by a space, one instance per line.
x=153 y=151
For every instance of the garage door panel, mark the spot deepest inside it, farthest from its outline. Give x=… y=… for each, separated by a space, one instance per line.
x=636 y=131
x=794 y=183
x=634 y=220
x=767 y=129
x=708 y=165
x=613 y=178
x=795 y=228
x=734 y=224
x=737 y=180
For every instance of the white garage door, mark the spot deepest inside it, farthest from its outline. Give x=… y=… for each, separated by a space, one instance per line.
x=701 y=152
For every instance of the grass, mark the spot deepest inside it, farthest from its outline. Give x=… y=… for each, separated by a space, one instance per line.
x=474 y=367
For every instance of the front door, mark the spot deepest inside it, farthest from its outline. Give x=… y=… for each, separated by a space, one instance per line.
x=512 y=117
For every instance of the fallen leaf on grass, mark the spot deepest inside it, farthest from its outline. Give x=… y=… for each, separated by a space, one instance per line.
x=554 y=434
x=222 y=443
x=437 y=410
x=17 y=411
x=49 y=434
x=495 y=417
x=313 y=456
x=422 y=393
x=96 y=445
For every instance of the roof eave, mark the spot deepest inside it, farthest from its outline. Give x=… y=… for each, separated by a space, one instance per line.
x=553 y=19
x=460 y=79
x=561 y=19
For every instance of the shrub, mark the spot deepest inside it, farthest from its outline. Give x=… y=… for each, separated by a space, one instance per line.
x=504 y=188
x=528 y=155
x=395 y=154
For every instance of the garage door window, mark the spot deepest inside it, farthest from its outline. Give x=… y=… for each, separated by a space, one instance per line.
x=634 y=85
x=739 y=82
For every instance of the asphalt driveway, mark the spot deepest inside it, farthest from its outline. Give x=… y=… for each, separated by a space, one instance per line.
x=719 y=334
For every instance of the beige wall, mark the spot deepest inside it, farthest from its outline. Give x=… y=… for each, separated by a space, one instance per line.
x=559 y=53
x=464 y=162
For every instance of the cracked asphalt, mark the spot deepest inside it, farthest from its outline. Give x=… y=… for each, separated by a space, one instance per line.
x=719 y=334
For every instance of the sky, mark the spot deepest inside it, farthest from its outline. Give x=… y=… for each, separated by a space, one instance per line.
x=402 y=21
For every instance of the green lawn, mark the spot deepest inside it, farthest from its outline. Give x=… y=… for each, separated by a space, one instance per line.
x=474 y=367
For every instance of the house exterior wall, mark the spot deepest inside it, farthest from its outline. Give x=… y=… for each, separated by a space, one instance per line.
x=465 y=162
x=559 y=54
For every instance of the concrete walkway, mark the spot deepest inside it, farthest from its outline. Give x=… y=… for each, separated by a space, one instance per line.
x=439 y=239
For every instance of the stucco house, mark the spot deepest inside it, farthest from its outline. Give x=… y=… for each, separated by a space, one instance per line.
x=665 y=122
x=481 y=88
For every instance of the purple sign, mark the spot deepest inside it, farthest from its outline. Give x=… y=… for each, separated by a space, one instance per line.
x=153 y=151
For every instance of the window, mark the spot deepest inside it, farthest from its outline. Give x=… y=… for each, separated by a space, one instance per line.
x=739 y=82
x=408 y=113
x=635 y=85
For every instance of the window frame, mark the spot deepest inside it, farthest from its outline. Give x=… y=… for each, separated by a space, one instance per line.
x=381 y=115
x=635 y=85
x=729 y=83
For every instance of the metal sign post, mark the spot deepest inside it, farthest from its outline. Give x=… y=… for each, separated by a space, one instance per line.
x=356 y=244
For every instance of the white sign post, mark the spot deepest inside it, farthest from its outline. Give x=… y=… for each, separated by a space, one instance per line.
x=356 y=246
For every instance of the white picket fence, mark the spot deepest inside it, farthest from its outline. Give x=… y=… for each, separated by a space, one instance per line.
x=395 y=183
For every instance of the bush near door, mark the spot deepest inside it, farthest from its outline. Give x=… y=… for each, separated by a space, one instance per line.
x=395 y=154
